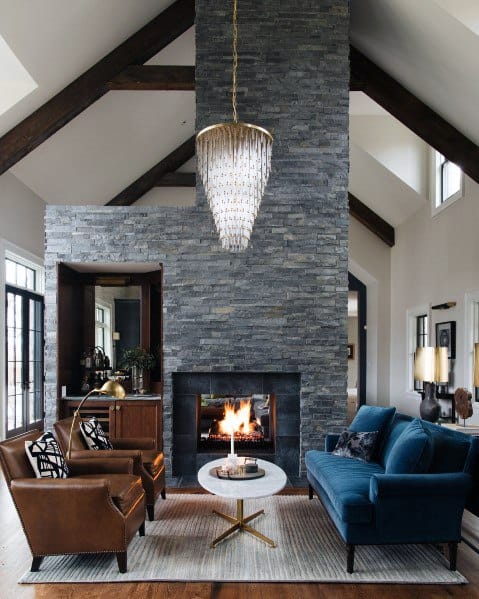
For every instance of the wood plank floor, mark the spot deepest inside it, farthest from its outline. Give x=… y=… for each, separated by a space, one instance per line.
x=15 y=560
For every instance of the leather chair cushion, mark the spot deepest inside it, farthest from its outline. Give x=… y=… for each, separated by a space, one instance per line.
x=125 y=489
x=153 y=461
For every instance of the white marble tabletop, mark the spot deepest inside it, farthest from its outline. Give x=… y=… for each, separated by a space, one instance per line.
x=272 y=482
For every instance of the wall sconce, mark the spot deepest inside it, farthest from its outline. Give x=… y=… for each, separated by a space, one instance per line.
x=431 y=366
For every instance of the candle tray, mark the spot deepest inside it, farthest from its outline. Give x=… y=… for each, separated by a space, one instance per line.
x=238 y=474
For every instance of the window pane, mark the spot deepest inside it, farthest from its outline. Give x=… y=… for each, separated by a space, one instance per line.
x=21 y=275
x=10 y=271
x=451 y=180
x=30 y=279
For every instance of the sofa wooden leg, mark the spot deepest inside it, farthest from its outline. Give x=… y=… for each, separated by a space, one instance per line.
x=36 y=561
x=310 y=490
x=163 y=494
x=121 y=558
x=350 y=558
x=150 y=509
x=141 y=530
x=452 y=556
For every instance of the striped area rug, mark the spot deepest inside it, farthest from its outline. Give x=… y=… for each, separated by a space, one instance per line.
x=176 y=548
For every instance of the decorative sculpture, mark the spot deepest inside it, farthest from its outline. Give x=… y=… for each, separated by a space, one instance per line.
x=463 y=398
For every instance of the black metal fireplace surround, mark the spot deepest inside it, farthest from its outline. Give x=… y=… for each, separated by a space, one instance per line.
x=198 y=402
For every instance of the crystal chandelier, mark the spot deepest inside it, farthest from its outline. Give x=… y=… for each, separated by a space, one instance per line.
x=234 y=162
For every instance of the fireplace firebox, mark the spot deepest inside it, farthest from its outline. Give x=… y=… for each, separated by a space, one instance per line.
x=200 y=400
x=252 y=417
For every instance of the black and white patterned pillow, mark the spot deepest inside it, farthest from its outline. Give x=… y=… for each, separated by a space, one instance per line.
x=356 y=445
x=94 y=435
x=46 y=458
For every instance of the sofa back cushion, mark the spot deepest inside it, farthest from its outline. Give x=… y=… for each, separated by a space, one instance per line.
x=412 y=451
x=399 y=423
x=451 y=449
x=373 y=418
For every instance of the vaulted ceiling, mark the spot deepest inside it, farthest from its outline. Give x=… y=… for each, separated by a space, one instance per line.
x=429 y=47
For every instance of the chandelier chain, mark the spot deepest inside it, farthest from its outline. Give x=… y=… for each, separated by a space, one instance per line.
x=235 y=59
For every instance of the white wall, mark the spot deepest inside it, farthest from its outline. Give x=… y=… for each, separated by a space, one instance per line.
x=435 y=260
x=394 y=146
x=21 y=231
x=369 y=261
x=21 y=215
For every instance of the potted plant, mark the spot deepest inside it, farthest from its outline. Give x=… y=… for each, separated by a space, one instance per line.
x=137 y=359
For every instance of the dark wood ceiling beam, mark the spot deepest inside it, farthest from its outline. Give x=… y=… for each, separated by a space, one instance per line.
x=371 y=220
x=173 y=161
x=93 y=84
x=414 y=114
x=154 y=77
x=177 y=180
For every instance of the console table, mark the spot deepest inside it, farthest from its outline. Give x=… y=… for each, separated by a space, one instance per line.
x=135 y=416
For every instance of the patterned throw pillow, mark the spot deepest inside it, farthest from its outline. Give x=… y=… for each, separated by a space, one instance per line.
x=94 y=435
x=356 y=445
x=46 y=458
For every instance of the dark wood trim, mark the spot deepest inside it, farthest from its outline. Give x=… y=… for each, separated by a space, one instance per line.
x=154 y=77
x=149 y=179
x=371 y=220
x=354 y=284
x=91 y=85
x=177 y=180
x=366 y=76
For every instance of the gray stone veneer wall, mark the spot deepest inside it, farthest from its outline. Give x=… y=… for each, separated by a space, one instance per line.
x=282 y=304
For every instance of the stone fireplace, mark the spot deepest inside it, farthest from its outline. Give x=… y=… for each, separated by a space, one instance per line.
x=280 y=307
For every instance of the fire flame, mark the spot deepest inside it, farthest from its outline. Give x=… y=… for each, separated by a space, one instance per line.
x=236 y=421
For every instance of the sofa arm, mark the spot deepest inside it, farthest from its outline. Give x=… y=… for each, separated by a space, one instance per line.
x=419 y=508
x=431 y=485
x=139 y=443
x=114 y=465
x=330 y=441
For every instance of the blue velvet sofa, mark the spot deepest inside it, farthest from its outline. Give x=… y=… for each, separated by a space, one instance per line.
x=414 y=490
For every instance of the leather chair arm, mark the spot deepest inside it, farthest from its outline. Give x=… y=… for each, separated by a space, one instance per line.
x=102 y=454
x=114 y=465
x=70 y=506
x=140 y=443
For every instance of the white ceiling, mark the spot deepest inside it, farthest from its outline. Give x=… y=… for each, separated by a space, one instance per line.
x=430 y=46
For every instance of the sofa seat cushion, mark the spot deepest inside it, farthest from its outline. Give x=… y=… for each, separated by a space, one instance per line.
x=153 y=461
x=412 y=452
x=125 y=489
x=346 y=483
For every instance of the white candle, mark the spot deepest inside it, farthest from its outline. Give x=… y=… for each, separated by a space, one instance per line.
x=232 y=442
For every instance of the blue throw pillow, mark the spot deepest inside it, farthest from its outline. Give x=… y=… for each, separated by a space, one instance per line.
x=372 y=418
x=412 y=452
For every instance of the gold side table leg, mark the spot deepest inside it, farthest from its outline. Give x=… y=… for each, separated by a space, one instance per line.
x=240 y=523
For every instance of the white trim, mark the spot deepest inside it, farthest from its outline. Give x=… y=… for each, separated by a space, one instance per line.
x=411 y=315
x=470 y=336
x=435 y=185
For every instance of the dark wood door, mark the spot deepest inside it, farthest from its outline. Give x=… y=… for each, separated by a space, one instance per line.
x=138 y=418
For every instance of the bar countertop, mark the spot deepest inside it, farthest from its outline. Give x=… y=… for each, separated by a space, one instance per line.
x=139 y=396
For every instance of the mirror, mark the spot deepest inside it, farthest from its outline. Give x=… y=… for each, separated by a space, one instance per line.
x=117 y=320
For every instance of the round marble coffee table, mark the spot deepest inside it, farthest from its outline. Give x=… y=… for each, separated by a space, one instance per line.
x=272 y=482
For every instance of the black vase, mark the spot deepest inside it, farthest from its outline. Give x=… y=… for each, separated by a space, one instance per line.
x=430 y=409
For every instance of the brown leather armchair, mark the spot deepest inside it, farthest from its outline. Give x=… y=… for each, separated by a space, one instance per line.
x=97 y=509
x=148 y=462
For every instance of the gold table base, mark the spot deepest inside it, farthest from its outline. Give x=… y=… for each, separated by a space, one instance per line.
x=240 y=523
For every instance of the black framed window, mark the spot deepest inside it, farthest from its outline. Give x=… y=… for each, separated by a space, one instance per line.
x=24 y=334
x=421 y=340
